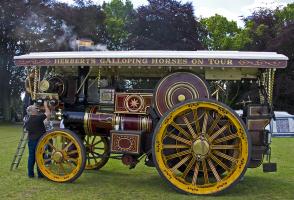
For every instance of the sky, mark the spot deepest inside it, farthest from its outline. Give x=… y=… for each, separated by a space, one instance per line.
x=231 y=9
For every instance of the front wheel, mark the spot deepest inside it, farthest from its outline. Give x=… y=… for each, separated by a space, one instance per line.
x=97 y=151
x=201 y=147
x=61 y=155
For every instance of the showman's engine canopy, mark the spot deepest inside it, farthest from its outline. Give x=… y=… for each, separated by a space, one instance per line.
x=165 y=107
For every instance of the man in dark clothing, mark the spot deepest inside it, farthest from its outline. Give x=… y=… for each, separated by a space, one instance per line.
x=36 y=128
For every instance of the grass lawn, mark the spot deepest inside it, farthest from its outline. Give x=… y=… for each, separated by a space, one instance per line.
x=116 y=181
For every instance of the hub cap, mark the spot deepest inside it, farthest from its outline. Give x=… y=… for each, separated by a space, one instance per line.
x=200 y=148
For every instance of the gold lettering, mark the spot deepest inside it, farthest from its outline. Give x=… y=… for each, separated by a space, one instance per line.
x=185 y=61
x=102 y=61
x=93 y=61
x=161 y=61
x=167 y=61
x=197 y=61
x=108 y=61
x=130 y=61
x=173 y=61
x=230 y=62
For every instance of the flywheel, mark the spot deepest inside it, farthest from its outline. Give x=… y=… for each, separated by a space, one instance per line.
x=178 y=87
x=201 y=147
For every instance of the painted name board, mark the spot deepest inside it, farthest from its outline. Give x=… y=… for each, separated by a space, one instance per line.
x=202 y=62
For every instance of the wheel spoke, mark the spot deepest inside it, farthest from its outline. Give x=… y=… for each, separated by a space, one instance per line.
x=70 y=164
x=97 y=142
x=226 y=138
x=94 y=157
x=235 y=146
x=67 y=146
x=196 y=119
x=190 y=127
x=225 y=156
x=221 y=130
x=179 y=164
x=62 y=168
x=195 y=175
x=97 y=155
x=48 y=153
x=72 y=152
x=175 y=146
x=47 y=160
x=204 y=167
x=213 y=125
x=58 y=169
x=188 y=168
x=213 y=169
x=219 y=162
x=180 y=139
x=53 y=147
x=99 y=148
x=87 y=140
x=204 y=125
x=73 y=160
x=93 y=139
x=179 y=154
x=180 y=129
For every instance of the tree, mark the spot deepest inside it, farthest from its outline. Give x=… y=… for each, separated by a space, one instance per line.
x=86 y=20
x=165 y=24
x=13 y=16
x=284 y=43
x=273 y=30
x=40 y=25
x=221 y=32
x=117 y=15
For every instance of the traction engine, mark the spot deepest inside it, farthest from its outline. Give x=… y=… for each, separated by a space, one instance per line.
x=166 y=111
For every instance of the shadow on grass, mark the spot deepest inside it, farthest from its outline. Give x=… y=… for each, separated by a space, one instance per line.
x=152 y=182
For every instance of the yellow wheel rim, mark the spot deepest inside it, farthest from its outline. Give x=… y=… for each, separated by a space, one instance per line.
x=201 y=147
x=59 y=156
x=97 y=151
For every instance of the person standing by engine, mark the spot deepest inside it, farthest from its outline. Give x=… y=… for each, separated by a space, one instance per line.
x=36 y=128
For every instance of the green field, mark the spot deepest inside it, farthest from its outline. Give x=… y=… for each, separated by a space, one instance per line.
x=115 y=181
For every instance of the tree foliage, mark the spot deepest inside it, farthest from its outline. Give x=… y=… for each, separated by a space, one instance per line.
x=165 y=24
x=222 y=33
x=118 y=14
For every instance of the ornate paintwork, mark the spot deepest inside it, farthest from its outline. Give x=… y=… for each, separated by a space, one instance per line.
x=178 y=87
x=126 y=142
x=133 y=103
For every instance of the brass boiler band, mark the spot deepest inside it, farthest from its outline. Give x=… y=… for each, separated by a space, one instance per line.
x=93 y=121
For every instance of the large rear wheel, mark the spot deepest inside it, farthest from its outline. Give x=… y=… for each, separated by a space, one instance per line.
x=61 y=155
x=201 y=147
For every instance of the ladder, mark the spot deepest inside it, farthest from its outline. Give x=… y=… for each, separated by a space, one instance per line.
x=20 y=150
